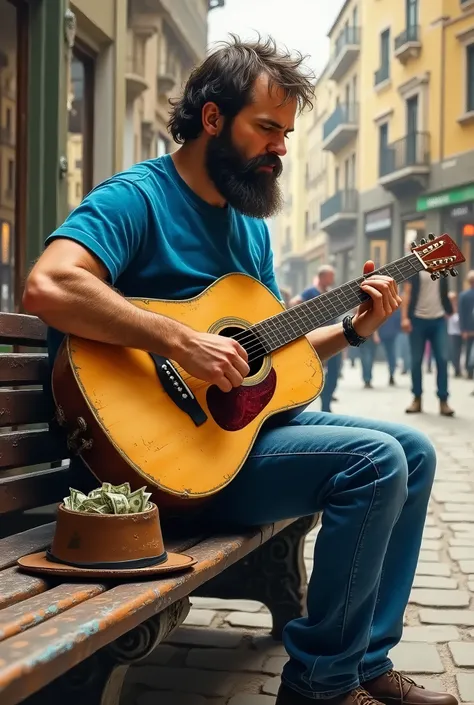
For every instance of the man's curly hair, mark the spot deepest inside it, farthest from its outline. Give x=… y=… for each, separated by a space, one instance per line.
x=226 y=77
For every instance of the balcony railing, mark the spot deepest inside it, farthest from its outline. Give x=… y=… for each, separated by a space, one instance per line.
x=350 y=36
x=413 y=150
x=346 y=51
x=410 y=34
x=343 y=202
x=382 y=74
x=346 y=114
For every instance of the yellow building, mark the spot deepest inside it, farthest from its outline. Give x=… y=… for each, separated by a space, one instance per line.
x=166 y=38
x=416 y=134
x=340 y=138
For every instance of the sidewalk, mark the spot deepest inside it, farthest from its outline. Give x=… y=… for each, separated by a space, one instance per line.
x=223 y=655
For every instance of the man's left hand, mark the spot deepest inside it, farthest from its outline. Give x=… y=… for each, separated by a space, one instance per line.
x=384 y=300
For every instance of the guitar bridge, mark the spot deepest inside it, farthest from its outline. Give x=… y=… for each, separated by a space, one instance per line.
x=177 y=389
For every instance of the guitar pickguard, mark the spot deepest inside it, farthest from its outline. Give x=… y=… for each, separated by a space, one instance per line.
x=234 y=410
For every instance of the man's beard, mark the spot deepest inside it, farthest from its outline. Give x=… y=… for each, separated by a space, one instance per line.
x=254 y=193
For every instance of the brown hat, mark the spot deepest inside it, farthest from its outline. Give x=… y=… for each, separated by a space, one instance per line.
x=106 y=546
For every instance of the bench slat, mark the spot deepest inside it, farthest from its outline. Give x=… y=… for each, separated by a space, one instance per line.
x=21 y=329
x=16 y=587
x=40 y=608
x=14 y=547
x=84 y=629
x=36 y=489
x=22 y=448
x=23 y=368
x=21 y=406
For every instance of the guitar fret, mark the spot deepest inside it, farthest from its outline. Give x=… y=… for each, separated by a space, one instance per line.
x=295 y=322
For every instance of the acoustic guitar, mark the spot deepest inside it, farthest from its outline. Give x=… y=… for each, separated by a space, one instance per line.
x=137 y=417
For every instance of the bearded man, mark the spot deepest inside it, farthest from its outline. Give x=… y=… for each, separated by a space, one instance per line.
x=168 y=228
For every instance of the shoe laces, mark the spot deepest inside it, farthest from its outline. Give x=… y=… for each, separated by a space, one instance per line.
x=362 y=697
x=402 y=680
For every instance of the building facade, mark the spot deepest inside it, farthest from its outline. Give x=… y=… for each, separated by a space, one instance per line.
x=340 y=137
x=84 y=87
x=417 y=125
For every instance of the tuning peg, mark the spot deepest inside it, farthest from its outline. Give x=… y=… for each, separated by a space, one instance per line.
x=431 y=236
x=445 y=273
x=435 y=276
x=414 y=243
x=423 y=241
x=453 y=272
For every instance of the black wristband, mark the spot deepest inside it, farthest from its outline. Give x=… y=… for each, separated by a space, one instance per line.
x=352 y=337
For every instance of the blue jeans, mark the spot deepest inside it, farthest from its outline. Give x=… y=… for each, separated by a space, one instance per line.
x=333 y=367
x=435 y=331
x=372 y=480
x=390 y=354
x=367 y=356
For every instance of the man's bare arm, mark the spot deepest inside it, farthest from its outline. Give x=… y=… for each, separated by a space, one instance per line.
x=67 y=289
x=328 y=341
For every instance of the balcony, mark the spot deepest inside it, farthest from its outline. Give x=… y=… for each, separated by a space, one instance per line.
x=6 y=137
x=408 y=44
x=135 y=80
x=382 y=76
x=341 y=127
x=345 y=53
x=187 y=18
x=405 y=164
x=339 y=213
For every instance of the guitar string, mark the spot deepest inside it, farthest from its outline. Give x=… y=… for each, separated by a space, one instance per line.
x=259 y=345
x=293 y=317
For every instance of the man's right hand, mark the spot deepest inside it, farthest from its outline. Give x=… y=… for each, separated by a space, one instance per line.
x=406 y=325
x=213 y=358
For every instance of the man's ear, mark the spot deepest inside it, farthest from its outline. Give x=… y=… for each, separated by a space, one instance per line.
x=212 y=120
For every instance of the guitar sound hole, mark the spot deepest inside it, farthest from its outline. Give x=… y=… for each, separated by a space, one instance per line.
x=250 y=343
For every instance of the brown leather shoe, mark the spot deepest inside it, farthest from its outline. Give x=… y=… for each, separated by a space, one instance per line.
x=358 y=696
x=415 y=406
x=393 y=688
x=445 y=409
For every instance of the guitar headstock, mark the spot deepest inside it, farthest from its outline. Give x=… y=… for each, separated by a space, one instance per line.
x=439 y=255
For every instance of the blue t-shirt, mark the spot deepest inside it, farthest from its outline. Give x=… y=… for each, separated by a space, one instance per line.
x=159 y=240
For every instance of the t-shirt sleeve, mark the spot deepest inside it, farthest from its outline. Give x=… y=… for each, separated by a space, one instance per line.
x=267 y=272
x=109 y=222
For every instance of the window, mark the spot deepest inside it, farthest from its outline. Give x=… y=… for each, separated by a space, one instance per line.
x=385 y=51
x=80 y=126
x=162 y=146
x=383 y=148
x=470 y=78
x=13 y=91
x=412 y=13
x=355 y=16
x=336 y=180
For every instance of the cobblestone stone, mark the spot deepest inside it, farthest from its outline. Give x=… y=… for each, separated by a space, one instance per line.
x=465 y=541
x=200 y=618
x=466 y=567
x=461 y=554
x=235 y=605
x=466 y=686
x=244 y=619
x=429 y=556
x=439 y=569
x=452 y=518
x=461 y=618
x=428 y=581
x=226 y=659
x=463 y=653
x=431 y=634
x=440 y=598
x=275 y=664
x=417 y=658
x=218 y=638
x=271 y=686
x=249 y=699
x=185 y=680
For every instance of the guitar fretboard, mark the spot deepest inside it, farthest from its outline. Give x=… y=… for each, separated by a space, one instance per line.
x=289 y=325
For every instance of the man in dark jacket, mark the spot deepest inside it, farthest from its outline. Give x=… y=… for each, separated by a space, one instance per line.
x=425 y=305
x=466 y=321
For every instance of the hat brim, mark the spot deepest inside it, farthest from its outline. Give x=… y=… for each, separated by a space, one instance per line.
x=39 y=563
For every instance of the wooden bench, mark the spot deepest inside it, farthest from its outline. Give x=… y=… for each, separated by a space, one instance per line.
x=73 y=642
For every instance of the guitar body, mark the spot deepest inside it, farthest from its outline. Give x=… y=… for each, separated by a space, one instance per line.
x=127 y=428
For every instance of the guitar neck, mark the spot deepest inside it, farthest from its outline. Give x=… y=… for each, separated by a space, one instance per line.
x=294 y=323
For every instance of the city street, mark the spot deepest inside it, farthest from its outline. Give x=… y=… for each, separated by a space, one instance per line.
x=223 y=655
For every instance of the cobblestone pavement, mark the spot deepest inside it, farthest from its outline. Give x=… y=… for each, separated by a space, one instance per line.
x=223 y=655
